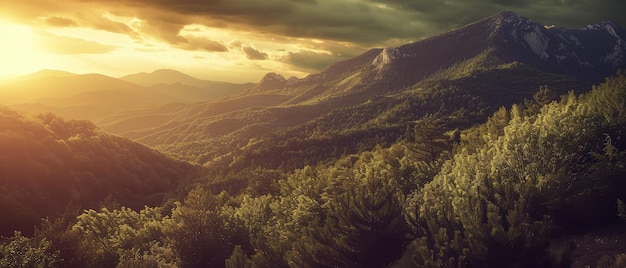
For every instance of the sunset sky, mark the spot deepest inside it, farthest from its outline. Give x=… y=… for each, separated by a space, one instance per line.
x=241 y=40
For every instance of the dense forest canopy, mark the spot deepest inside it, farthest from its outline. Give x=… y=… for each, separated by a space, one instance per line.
x=498 y=194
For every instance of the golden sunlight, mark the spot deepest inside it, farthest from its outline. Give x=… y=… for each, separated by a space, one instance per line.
x=17 y=50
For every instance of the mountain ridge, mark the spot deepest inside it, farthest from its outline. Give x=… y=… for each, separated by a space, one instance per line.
x=44 y=73
x=166 y=76
x=472 y=61
x=95 y=96
x=505 y=37
x=184 y=87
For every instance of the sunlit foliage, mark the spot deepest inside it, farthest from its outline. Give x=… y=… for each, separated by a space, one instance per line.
x=19 y=251
x=498 y=194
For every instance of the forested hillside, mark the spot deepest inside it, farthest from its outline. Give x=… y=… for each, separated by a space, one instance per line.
x=505 y=193
x=451 y=104
x=506 y=190
x=459 y=77
x=48 y=163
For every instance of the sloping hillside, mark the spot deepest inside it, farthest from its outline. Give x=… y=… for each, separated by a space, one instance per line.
x=464 y=74
x=47 y=163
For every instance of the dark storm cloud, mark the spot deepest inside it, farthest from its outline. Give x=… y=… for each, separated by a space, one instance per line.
x=366 y=23
x=312 y=61
x=567 y=13
x=361 y=23
x=350 y=21
x=253 y=54
x=306 y=1
x=201 y=43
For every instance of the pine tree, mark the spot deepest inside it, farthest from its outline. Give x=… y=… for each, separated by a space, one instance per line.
x=239 y=259
x=364 y=225
x=200 y=235
x=428 y=135
x=540 y=98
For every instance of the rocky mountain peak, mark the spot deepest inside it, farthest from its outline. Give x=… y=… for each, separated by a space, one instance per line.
x=589 y=54
x=271 y=81
x=273 y=77
x=508 y=17
x=599 y=46
x=610 y=27
x=386 y=57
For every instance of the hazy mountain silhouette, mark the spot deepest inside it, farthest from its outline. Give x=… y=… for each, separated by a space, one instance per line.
x=166 y=76
x=44 y=74
x=93 y=96
x=185 y=88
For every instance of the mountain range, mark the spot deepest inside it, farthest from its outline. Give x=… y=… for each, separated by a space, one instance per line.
x=94 y=96
x=472 y=71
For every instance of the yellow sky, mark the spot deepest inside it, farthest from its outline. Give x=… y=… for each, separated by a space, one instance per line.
x=85 y=50
x=241 y=40
x=235 y=40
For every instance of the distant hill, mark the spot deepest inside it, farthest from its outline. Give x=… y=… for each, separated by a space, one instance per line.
x=184 y=87
x=460 y=76
x=40 y=86
x=94 y=96
x=88 y=96
x=166 y=76
x=47 y=162
x=44 y=74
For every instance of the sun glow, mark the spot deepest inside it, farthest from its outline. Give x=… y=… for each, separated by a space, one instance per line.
x=17 y=51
